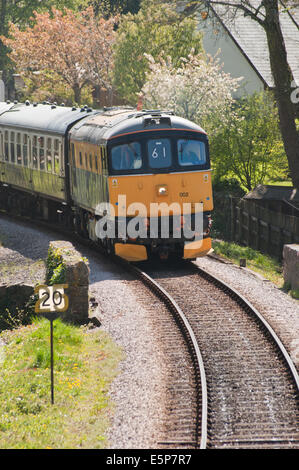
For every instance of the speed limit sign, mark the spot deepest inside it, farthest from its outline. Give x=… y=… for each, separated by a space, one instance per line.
x=51 y=298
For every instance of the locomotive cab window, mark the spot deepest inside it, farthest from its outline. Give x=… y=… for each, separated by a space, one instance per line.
x=191 y=152
x=159 y=152
x=127 y=157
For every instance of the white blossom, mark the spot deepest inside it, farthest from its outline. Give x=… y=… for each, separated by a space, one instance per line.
x=198 y=89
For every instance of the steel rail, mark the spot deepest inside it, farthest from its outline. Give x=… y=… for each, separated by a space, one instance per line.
x=191 y=341
x=251 y=309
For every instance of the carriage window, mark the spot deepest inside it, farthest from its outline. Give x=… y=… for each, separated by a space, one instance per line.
x=25 y=149
x=126 y=157
x=41 y=142
x=96 y=161
x=191 y=152
x=12 y=147
x=34 y=151
x=1 y=146
x=90 y=161
x=49 y=155
x=73 y=155
x=159 y=152
x=56 y=156
x=102 y=158
x=19 y=151
x=6 y=151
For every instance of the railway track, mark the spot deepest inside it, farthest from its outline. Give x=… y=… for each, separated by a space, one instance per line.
x=242 y=391
x=252 y=385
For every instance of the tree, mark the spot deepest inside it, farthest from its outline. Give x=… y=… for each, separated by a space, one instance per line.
x=75 y=46
x=266 y=14
x=249 y=146
x=153 y=30
x=112 y=7
x=48 y=86
x=20 y=12
x=196 y=89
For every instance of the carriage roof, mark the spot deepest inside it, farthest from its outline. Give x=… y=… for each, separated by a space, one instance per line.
x=41 y=117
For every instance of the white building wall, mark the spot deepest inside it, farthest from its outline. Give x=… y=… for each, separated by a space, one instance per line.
x=217 y=40
x=2 y=88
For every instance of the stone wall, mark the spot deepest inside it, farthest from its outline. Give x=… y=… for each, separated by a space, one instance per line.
x=14 y=309
x=291 y=265
x=72 y=269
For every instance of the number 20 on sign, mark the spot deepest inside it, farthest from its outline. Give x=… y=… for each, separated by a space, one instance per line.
x=52 y=299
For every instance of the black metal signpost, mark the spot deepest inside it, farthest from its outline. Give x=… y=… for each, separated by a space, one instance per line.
x=52 y=300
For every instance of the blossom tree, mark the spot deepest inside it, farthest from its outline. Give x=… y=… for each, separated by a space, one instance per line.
x=267 y=14
x=198 y=89
x=156 y=28
x=75 y=46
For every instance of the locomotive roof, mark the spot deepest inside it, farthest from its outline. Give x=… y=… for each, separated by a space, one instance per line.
x=116 y=122
x=41 y=117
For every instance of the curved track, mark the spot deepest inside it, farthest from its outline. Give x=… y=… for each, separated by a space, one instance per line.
x=198 y=426
x=252 y=382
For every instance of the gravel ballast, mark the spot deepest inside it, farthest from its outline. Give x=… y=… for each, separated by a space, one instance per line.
x=278 y=308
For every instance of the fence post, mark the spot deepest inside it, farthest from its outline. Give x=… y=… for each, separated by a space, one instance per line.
x=233 y=219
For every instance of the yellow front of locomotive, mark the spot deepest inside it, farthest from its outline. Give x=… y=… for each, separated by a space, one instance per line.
x=160 y=190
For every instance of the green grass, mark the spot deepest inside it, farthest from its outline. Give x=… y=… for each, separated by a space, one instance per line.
x=85 y=363
x=268 y=267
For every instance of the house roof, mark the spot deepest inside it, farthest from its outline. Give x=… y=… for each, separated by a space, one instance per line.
x=250 y=38
x=273 y=193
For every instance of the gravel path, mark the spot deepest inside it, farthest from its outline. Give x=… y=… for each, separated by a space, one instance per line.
x=139 y=391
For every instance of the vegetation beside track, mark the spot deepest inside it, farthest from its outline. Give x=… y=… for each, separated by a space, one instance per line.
x=268 y=267
x=85 y=363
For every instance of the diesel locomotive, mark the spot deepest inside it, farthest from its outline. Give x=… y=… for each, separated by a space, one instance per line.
x=101 y=172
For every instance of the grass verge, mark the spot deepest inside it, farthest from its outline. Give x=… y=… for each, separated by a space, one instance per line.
x=85 y=363
x=268 y=267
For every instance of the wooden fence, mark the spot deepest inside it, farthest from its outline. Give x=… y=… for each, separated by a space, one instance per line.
x=261 y=228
